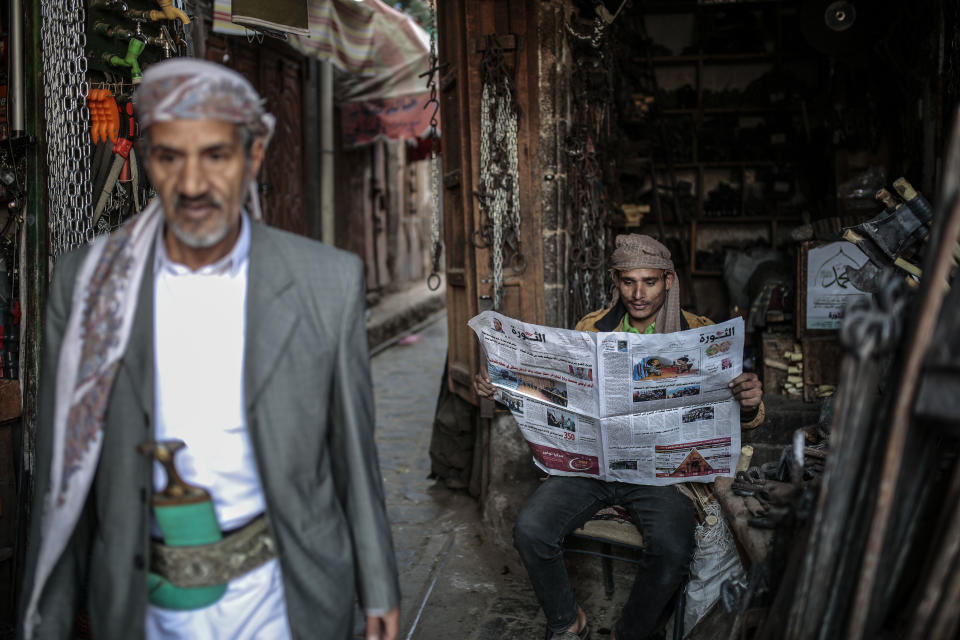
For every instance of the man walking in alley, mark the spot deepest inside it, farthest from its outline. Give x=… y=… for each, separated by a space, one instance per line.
x=195 y=322
x=648 y=302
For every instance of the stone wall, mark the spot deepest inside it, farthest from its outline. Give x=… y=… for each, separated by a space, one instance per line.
x=513 y=477
x=553 y=64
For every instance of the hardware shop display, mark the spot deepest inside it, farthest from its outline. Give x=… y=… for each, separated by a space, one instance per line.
x=499 y=193
x=587 y=147
x=93 y=61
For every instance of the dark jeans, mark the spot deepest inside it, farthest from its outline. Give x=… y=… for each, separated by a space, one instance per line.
x=665 y=517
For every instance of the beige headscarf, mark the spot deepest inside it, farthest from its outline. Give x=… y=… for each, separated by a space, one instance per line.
x=635 y=251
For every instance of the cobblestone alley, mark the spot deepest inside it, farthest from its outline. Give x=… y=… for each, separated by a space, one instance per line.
x=455 y=582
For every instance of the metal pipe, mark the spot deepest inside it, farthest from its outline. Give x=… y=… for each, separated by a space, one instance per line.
x=15 y=95
x=327 y=194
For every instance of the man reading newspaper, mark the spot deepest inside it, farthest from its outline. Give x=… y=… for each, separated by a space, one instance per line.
x=648 y=302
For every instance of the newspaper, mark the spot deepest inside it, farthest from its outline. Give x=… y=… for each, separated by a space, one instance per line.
x=649 y=409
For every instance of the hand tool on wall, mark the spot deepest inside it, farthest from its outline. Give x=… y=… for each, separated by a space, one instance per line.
x=122 y=149
x=890 y=237
x=186 y=517
x=169 y=12
x=135 y=47
x=108 y=30
x=165 y=41
x=895 y=230
x=130 y=173
x=109 y=5
x=914 y=199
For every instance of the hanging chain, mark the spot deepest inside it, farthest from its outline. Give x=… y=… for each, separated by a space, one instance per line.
x=499 y=194
x=601 y=23
x=591 y=85
x=63 y=41
x=433 y=280
x=595 y=37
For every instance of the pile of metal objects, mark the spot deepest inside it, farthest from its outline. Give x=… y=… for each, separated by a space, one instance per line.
x=863 y=510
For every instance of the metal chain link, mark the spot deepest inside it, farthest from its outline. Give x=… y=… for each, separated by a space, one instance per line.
x=873 y=325
x=499 y=192
x=586 y=148
x=433 y=280
x=595 y=37
x=63 y=42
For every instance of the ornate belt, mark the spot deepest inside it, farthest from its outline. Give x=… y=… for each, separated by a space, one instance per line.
x=213 y=564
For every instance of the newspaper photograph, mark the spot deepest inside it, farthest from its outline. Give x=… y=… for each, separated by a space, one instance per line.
x=649 y=409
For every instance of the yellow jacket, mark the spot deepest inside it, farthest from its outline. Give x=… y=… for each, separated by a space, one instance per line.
x=610 y=319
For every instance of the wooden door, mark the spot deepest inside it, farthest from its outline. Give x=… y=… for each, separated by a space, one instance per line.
x=457 y=190
x=279 y=74
x=463 y=25
x=281 y=84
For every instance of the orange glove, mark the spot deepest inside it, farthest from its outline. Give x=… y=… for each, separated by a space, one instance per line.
x=113 y=117
x=96 y=128
x=104 y=116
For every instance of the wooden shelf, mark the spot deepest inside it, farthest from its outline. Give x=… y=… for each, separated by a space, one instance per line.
x=703 y=73
x=685 y=6
x=772 y=221
x=742 y=219
x=724 y=164
x=747 y=109
x=639 y=168
x=716 y=58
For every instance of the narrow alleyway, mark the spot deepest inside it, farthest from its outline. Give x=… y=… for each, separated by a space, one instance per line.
x=453 y=584
x=456 y=584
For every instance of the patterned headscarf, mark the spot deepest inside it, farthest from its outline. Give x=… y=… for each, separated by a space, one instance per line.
x=635 y=251
x=105 y=299
x=192 y=89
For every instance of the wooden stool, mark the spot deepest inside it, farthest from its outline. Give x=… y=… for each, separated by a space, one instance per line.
x=613 y=527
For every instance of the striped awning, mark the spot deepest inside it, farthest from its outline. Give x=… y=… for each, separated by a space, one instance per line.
x=289 y=16
x=392 y=101
x=341 y=31
x=383 y=54
x=400 y=54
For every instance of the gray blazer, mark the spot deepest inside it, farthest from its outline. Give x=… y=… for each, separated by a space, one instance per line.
x=310 y=414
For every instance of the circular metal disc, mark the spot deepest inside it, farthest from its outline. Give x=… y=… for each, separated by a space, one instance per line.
x=840 y=15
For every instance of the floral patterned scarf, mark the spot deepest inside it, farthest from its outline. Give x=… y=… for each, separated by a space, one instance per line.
x=96 y=336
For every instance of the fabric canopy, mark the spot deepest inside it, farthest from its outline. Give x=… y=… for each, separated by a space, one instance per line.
x=400 y=53
x=339 y=30
x=382 y=54
x=281 y=15
x=407 y=117
x=392 y=101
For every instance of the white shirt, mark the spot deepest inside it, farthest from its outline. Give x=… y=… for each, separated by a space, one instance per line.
x=199 y=325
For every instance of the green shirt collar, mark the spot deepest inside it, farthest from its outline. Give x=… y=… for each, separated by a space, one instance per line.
x=629 y=328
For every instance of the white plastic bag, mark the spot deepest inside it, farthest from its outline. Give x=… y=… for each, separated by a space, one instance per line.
x=715 y=560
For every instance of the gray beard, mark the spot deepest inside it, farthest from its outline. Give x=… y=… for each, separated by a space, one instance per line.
x=209 y=239
x=200 y=240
